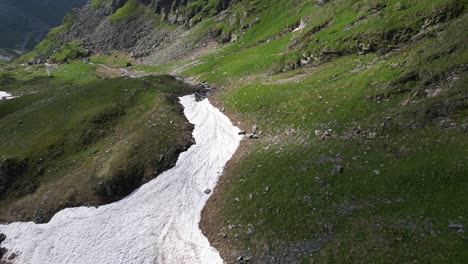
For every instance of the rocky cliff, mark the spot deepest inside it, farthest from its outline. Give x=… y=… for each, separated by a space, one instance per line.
x=137 y=27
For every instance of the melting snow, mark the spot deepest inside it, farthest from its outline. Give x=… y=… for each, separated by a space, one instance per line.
x=301 y=26
x=5 y=95
x=158 y=223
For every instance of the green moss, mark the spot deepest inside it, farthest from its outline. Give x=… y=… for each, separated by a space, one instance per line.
x=129 y=10
x=69 y=51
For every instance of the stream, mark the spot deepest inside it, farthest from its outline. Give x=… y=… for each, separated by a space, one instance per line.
x=158 y=223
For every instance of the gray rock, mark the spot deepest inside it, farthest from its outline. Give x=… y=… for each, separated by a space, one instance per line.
x=338 y=169
x=2 y=237
x=3 y=252
x=456 y=226
x=207 y=191
x=254 y=129
x=243 y=133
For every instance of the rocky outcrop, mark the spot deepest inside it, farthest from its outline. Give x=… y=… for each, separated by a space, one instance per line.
x=139 y=35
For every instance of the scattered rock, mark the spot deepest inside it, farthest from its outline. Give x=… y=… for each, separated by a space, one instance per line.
x=326 y=134
x=40 y=171
x=244 y=259
x=242 y=133
x=464 y=127
x=252 y=136
x=338 y=169
x=207 y=191
x=447 y=124
x=456 y=226
x=250 y=230
x=254 y=129
x=372 y=135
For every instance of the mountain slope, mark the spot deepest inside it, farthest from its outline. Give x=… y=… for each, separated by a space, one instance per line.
x=359 y=107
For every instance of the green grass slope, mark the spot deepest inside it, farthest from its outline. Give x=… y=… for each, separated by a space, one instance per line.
x=363 y=120
x=73 y=139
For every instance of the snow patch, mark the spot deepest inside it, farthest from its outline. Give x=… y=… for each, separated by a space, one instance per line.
x=158 y=223
x=301 y=26
x=5 y=96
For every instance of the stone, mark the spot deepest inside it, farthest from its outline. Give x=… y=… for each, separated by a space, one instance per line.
x=40 y=171
x=242 y=133
x=207 y=191
x=321 y=2
x=3 y=252
x=338 y=169
x=372 y=135
x=318 y=133
x=2 y=237
x=254 y=136
x=254 y=129
x=456 y=226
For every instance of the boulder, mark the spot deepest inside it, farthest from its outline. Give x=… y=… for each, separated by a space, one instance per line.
x=338 y=169
x=456 y=226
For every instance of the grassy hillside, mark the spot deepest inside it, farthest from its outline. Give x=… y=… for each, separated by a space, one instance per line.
x=363 y=144
x=73 y=139
x=362 y=117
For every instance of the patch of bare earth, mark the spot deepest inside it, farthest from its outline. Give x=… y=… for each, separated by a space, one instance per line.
x=212 y=220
